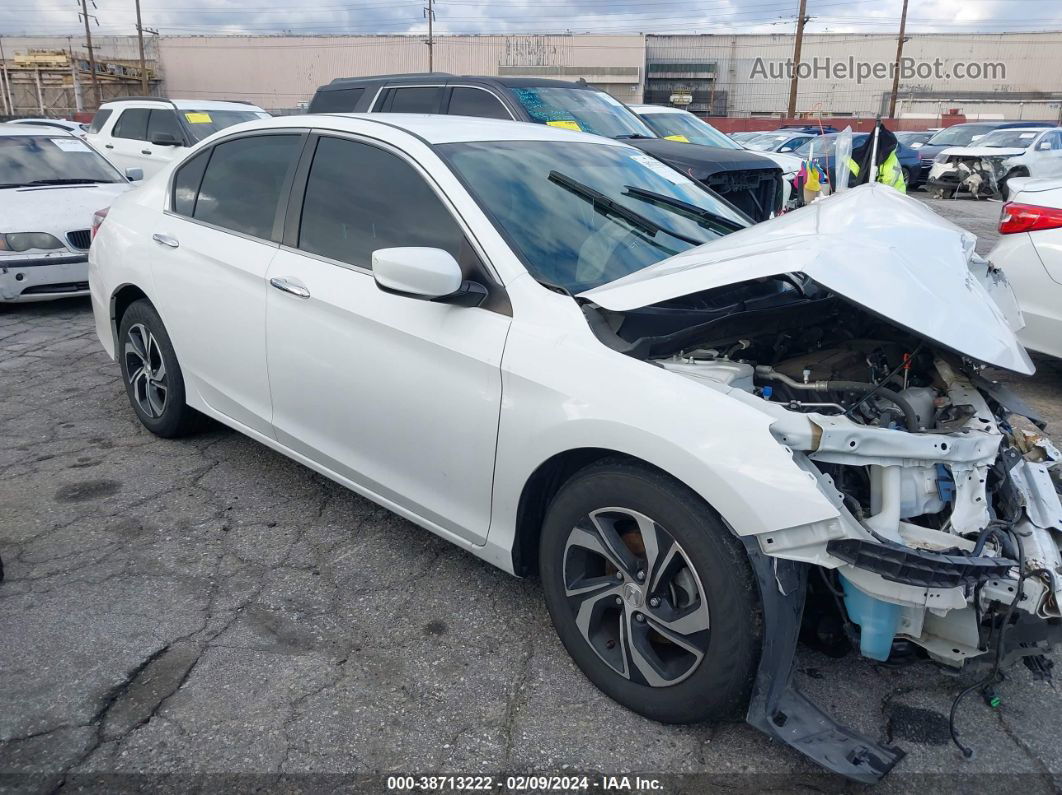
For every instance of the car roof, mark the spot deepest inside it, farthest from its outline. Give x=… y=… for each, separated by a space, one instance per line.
x=184 y=104
x=443 y=77
x=794 y=133
x=433 y=128
x=1042 y=128
x=33 y=129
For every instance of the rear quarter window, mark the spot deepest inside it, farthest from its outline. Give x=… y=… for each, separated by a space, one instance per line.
x=342 y=100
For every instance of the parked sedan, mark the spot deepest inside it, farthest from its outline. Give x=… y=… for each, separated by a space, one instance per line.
x=780 y=141
x=915 y=140
x=72 y=127
x=567 y=358
x=1029 y=251
x=50 y=184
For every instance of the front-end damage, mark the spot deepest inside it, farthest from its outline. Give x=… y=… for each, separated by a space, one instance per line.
x=945 y=540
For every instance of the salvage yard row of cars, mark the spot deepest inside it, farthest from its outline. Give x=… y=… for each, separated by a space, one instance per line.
x=569 y=355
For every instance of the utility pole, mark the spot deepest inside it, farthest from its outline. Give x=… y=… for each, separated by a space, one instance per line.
x=896 y=66
x=140 y=43
x=92 y=56
x=801 y=19
x=429 y=12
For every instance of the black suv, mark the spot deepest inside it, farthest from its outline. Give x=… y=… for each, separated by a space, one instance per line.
x=751 y=183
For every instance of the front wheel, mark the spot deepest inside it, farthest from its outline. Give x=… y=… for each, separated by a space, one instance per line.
x=650 y=594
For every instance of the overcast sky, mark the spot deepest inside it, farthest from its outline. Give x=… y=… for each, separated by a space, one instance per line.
x=57 y=17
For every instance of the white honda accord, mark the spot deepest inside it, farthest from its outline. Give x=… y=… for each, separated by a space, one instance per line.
x=566 y=358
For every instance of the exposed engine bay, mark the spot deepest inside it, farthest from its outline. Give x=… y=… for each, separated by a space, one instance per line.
x=947 y=535
x=981 y=176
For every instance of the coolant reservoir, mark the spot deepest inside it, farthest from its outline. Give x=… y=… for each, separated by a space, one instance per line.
x=719 y=372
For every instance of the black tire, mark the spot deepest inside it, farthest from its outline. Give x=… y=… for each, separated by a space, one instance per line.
x=142 y=332
x=907 y=178
x=1004 y=184
x=717 y=685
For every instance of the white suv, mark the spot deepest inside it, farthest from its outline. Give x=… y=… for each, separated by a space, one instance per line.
x=148 y=132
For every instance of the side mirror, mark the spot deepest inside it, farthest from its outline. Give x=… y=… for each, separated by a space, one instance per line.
x=786 y=149
x=1043 y=145
x=134 y=174
x=430 y=274
x=165 y=139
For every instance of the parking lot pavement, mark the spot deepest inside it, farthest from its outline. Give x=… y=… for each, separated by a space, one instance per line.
x=205 y=606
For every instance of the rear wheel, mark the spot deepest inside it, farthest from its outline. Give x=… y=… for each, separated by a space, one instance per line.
x=650 y=594
x=152 y=375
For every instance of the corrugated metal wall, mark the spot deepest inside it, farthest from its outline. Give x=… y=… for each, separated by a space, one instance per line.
x=280 y=72
x=1033 y=63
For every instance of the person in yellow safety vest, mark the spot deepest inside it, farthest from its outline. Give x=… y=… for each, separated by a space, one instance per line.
x=889 y=172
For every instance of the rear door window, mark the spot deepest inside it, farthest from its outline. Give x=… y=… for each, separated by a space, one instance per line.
x=243 y=182
x=466 y=101
x=132 y=123
x=414 y=99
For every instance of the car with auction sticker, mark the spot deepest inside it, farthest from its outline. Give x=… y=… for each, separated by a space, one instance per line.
x=51 y=183
x=148 y=132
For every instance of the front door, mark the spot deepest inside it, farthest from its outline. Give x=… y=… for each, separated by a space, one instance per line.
x=399 y=395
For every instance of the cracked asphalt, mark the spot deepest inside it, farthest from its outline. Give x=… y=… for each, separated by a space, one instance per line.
x=205 y=613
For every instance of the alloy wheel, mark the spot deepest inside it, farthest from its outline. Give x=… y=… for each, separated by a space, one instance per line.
x=146 y=370
x=635 y=597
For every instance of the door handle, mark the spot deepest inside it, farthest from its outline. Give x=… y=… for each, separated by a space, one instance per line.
x=145 y=151
x=290 y=286
x=165 y=240
x=108 y=146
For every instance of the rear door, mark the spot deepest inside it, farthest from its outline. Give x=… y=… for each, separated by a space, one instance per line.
x=213 y=248
x=410 y=99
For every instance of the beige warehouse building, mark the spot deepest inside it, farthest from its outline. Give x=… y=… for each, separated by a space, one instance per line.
x=1019 y=75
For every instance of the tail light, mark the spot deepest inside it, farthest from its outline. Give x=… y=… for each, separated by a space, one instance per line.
x=97 y=221
x=1028 y=218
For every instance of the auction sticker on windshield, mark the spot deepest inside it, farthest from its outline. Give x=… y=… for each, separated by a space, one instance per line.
x=566 y=125
x=664 y=170
x=198 y=118
x=70 y=144
x=680 y=138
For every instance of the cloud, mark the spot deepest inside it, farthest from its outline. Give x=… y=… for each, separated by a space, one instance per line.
x=338 y=17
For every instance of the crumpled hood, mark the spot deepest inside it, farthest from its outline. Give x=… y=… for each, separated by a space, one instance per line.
x=701 y=162
x=983 y=151
x=876 y=247
x=56 y=209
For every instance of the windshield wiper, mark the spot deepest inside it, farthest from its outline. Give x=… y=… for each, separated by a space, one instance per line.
x=632 y=136
x=606 y=206
x=698 y=214
x=66 y=181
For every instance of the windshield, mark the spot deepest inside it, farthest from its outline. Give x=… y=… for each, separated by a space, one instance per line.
x=824 y=144
x=580 y=215
x=204 y=123
x=768 y=142
x=51 y=160
x=580 y=109
x=959 y=135
x=1009 y=139
x=687 y=127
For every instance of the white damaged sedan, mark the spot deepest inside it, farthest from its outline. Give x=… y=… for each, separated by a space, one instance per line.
x=569 y=359
x=51 y=183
